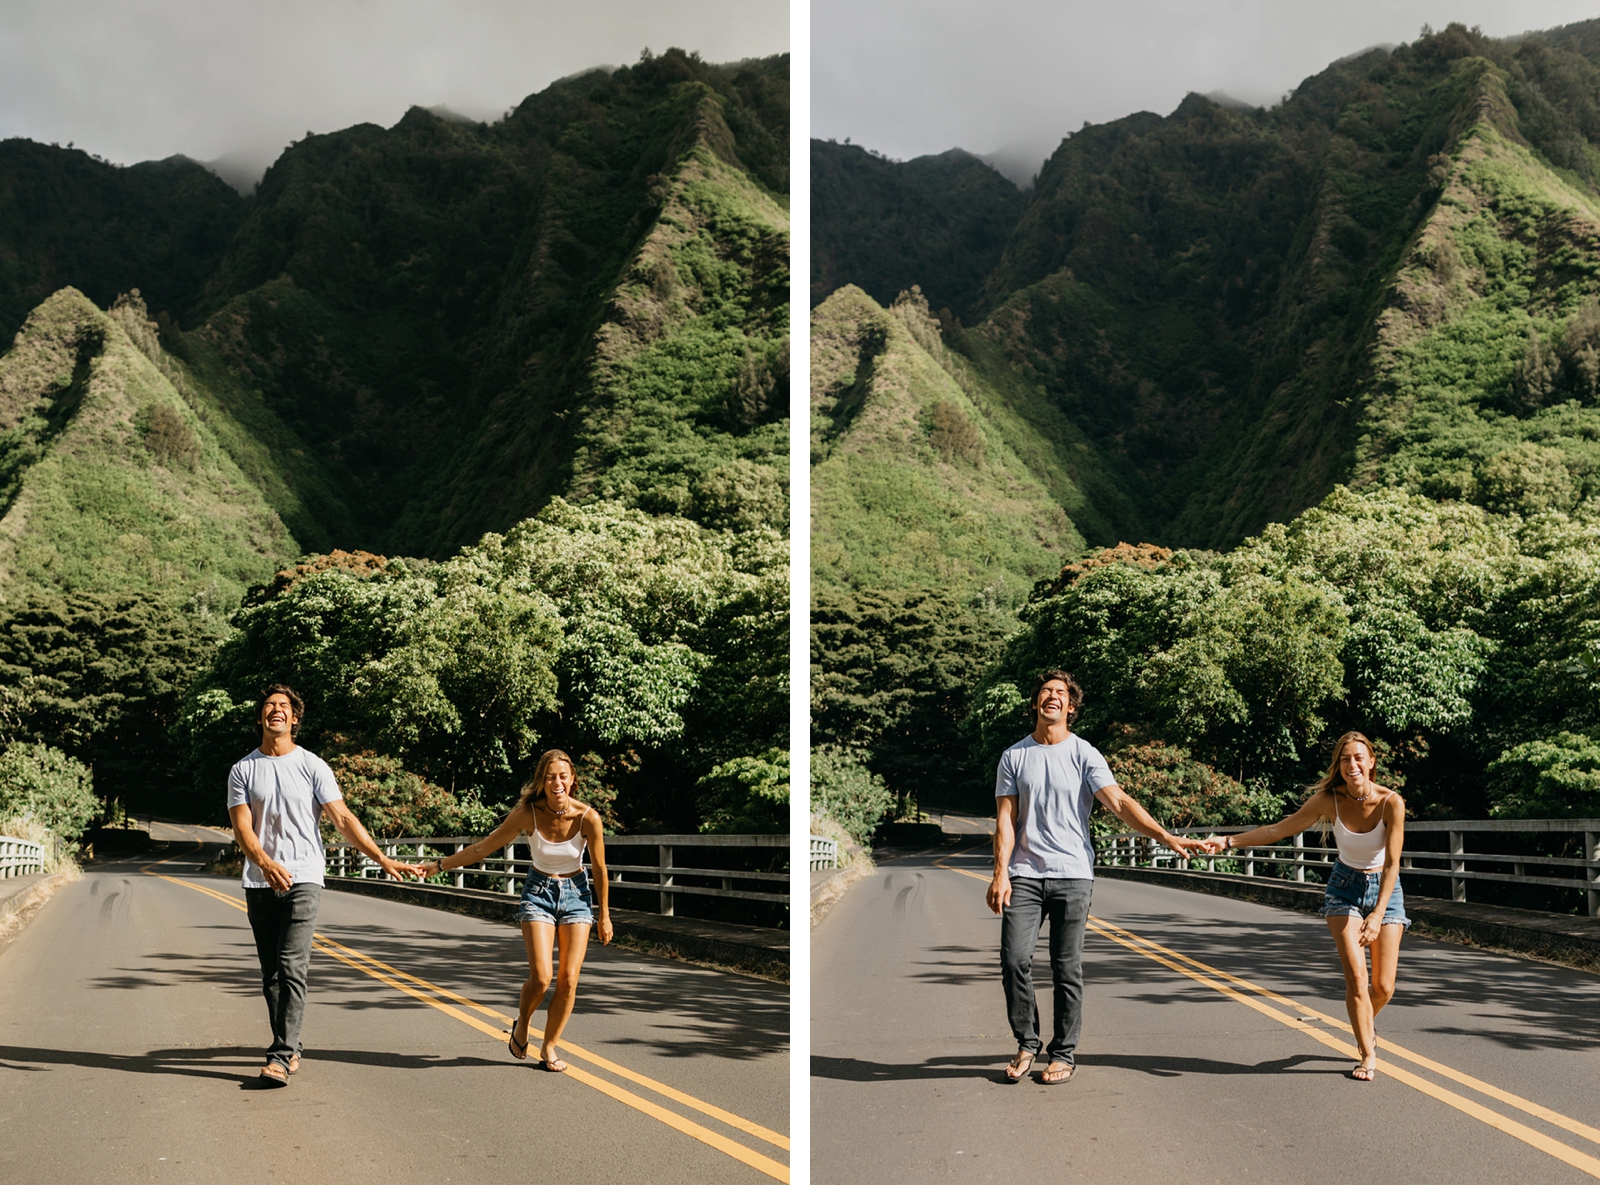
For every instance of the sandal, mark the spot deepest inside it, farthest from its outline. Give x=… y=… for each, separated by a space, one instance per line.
x=553 y=1064
x=294 y=1063
x=1017 y=1068
x=519 y=1049
x=273 y=1074
x=1058 y=1072
x=1363 y=1072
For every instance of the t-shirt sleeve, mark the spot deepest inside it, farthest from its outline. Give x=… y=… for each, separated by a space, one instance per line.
x=1097 y=774
x=1005 y=777
x=238 y=791
x=324 y=786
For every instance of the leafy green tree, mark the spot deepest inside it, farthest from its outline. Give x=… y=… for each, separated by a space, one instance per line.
x=890 y=676
x=103 y=677
x=747 y=795
x=1554 y=777
x=845 y=790
x=48 y=786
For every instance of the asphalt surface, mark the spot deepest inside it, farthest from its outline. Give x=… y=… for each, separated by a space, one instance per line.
x=1178 y=1080
x=132 y=1025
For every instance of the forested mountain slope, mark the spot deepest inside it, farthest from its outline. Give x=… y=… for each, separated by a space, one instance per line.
x=1326 y=379
x=1241 y=308
x=939 y=222
x=568 y=328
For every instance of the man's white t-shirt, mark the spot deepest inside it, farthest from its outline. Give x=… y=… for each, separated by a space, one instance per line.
x=285 y=795
x=1054 y=786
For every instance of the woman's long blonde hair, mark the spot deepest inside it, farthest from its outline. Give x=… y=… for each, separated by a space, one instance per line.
x=533 y=788
x=1333 y=779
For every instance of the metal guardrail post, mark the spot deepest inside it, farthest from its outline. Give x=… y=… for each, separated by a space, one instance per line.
x=1300 y=858
x=1458 y=847
x=665 y=877
x=1591 y=853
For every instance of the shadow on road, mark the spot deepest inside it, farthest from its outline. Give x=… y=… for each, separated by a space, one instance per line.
x=1520 y=1004
x=217 y=1062
x=992 y=1066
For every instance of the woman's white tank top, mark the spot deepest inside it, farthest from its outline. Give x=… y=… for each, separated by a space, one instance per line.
x=1361 y=850
x=558 y=859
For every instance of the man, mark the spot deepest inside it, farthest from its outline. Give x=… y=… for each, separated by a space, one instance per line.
x=274 y=797
x=1045 y=788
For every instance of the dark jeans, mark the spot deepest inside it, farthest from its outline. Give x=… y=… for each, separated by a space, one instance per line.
x=1066 y=903
x=283 y=924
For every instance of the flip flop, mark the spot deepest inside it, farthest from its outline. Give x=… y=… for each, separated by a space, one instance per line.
x=294 y=1063
x=1017 y=1068
x=553 y=1065
x=1055 y=1077
x=1363 y=1073
x=273 y=1074
x=519 y=1049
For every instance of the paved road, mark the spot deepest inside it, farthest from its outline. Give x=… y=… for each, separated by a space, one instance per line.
x=1178 y=1080
x=131 y=1030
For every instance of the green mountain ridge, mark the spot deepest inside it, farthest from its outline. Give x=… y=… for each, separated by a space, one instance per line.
x=1241 y=308
x=419 y=334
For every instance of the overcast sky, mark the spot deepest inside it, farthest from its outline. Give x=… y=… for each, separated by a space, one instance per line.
x=134 y=80
x=910 y=77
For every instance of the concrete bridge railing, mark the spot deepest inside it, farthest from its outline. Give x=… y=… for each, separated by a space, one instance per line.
x=665 y=877
x=20 y=857
x=1452 y=862
x=824 y=853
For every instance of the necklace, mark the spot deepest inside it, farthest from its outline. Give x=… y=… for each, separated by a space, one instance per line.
x=1367 y=797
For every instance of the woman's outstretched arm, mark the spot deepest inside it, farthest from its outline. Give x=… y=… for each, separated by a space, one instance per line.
x=1316 y=807
x=519 y=820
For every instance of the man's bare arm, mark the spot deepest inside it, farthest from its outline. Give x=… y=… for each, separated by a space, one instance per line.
x=1005 y=841
x=1117 y=801
x=244 y=833
x=350 y=827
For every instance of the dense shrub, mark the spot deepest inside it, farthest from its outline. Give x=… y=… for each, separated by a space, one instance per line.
x=845 y=790
x=46 y=785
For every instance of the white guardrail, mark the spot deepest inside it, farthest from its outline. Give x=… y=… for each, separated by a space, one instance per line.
x=19 y=857
x=824 y=852
x=669 y=879
x=1455 y=864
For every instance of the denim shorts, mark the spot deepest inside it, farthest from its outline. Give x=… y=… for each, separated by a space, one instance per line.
x=1352 y=893
x=558 y=900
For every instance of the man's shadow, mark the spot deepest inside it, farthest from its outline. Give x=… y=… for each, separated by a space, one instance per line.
x=218 y=1063
x=983 y=1066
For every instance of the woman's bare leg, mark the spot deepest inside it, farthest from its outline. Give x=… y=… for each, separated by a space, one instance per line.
x=1385 y=965
x=539 y=940
x=574 y=939
x=1357 y=994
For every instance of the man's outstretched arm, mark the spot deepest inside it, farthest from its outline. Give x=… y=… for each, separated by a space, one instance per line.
x=350 y=827
x=1116 y=800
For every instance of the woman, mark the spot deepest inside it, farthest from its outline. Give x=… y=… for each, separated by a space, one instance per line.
x=558 y=899
x=1362 y=900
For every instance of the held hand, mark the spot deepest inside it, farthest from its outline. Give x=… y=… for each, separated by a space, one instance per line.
x=1211 y=845
x=604 y=929
x=999 y=894
x=1183 y=846
x=399 y=871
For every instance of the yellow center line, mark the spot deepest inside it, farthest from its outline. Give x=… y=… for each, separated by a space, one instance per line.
x=1555 y=1118
x=395 y=978
x=1222 y=984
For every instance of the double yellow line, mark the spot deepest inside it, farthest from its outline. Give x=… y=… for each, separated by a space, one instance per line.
x=460 y=1008
x=1306 y=1020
